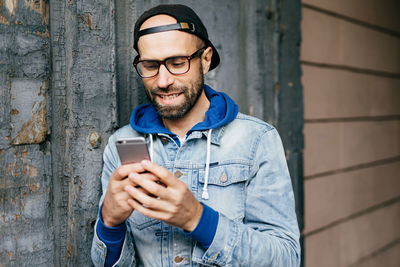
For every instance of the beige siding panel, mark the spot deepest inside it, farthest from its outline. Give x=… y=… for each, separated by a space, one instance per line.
x=330 y=40
x=337 y=145
x=376 y=12
x=334 y=197
x=387 y=258
x=350 y=241
x=332 y=93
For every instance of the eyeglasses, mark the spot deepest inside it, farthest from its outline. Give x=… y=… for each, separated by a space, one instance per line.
x=175 y=65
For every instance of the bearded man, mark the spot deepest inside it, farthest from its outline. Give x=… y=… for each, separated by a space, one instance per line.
x=217 y=191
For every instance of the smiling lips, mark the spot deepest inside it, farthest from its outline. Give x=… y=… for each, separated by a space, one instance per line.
x=169 y=97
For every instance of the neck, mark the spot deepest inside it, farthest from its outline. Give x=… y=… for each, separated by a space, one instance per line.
x=197 y=114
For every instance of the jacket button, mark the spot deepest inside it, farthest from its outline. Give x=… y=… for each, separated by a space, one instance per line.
x=178 y=259
x=164 y=140
x=223 y=178
x=178 y=174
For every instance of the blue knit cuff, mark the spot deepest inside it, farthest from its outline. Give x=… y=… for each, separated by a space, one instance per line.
x=110 y=235
x=205 y=230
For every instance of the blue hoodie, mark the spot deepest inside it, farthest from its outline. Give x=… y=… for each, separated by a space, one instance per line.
x=145 y=119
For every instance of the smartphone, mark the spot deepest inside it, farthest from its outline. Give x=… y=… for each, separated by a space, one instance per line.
x=131 y=150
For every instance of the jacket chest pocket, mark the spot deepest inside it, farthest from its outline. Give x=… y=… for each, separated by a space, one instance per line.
x=226 y=188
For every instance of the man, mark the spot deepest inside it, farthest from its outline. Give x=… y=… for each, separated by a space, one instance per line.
x=217 y=191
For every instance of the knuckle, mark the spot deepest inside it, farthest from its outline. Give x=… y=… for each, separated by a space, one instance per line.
x=179 y=198
x=151 y=202
x=157 y=191
x=169 y=216
x=180 y=186
x=112 y=188
x=175 y=210
x=164 y=173
x=182 y=193
x=118 y=173
x=183 y=187
x=118 y=200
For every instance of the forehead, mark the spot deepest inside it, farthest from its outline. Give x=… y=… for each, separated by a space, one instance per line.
x=164 y=44
x=157 y=20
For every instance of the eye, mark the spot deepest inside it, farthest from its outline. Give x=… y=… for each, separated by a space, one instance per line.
x=177 y=62
x=149 y=65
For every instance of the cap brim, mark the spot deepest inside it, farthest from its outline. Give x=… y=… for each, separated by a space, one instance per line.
x=215 y=57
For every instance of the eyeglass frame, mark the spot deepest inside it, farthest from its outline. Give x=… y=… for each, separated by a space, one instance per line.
x=197 y=53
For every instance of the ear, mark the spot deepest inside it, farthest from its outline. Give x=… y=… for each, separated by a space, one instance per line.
x=206 y=59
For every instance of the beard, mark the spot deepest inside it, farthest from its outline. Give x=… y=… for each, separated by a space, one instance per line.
x=191 y=93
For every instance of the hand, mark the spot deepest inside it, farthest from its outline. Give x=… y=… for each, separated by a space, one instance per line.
x=170 y=201
x=115 y=208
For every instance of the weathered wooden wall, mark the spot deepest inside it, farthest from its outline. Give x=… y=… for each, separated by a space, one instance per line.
x=83 y=116
x=351 y=76
x=26 y=232
x=57 y=108
x=66 y=83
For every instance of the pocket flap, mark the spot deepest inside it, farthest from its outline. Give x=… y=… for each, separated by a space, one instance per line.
x=226 y=174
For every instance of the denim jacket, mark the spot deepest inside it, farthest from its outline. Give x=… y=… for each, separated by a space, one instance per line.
x=248 y=185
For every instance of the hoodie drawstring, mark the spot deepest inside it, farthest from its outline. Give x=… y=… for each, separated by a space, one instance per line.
x=205 y=195
x=151 y=147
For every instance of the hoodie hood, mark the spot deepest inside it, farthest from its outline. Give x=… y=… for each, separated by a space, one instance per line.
x=222 y=110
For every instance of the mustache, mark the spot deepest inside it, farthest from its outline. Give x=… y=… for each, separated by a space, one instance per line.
x=169 y=89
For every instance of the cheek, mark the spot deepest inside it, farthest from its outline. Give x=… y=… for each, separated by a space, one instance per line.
x=149 y=85
x=148 y=91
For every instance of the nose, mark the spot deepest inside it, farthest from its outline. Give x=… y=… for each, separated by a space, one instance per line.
x=164 y=78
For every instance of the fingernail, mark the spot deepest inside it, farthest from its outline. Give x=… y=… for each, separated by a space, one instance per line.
x=145 y=162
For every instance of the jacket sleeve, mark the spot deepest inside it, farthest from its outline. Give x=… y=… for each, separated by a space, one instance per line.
x=99 y=249
x=268 y=234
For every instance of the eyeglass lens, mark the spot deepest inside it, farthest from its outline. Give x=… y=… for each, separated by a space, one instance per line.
x=175 y=65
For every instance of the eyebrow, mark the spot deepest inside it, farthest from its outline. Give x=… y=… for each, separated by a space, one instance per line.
x=177 y=55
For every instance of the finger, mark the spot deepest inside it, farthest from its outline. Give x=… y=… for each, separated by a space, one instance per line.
x=162 y=173
x=130 y=181
x=145 y=175
x=149 y=183
x=147 y=200
x=124 y=170
x=155 y=214
x=138 y=187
